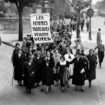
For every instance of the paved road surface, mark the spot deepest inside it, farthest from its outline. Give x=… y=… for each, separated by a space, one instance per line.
x=14 y=95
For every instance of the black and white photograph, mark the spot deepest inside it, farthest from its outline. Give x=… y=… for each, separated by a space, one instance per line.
x=52 y=52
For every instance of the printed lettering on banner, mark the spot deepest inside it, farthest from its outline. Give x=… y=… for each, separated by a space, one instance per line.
x=40 y=24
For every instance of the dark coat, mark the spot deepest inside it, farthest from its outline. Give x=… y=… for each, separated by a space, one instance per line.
x=62 y=70
x=48 y=72
x=39 y=70
x=91 y=73
x=86 y=63
x=29 y=72
x=78 y=78
x=18 y=66
x=101 y=51
x=15 y=51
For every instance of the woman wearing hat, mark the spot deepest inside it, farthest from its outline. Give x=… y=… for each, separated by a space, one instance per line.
x=91 y=73
x=62 y=66
x=69 y=68
x=78 y=70
x=29 y=72
x=48 y=65
x=56 y=57
x=18 y=61
x=39 y=62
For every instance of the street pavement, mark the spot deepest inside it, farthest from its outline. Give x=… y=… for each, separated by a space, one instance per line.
x=15 y=95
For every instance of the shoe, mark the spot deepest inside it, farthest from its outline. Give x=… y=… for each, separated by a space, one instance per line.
x=29 y=90
x=68 y=86
x=37 y=85
x=70 y=77
x=20 y=84
x=49 y=89
x=82 y=90
x=46 y=92
x=89 y=85
x=42 y=90
x=100 y=65
x=26 y=90
x=62 y=89
x=75 y=89
x=56 y=84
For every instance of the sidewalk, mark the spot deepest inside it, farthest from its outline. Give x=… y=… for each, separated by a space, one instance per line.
x=88 y=44
x=9 y=39
x=13 y=38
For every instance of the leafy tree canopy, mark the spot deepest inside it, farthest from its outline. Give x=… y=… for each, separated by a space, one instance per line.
x=22 y=3
x=100 y=4
x=78 y=5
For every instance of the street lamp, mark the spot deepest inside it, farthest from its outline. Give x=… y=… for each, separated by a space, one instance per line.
x=90 y=13
x=61 y=11
x=90 y=37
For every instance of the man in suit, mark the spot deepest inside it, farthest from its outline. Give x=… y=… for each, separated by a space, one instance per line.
x=98 y=36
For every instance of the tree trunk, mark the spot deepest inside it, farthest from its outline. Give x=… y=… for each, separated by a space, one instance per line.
x=78 y=25
x=78 y=29
x=90 y=37
x=20 y=24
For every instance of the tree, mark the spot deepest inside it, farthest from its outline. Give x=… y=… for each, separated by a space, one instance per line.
x=100 y=5
x=78 y=6
x=51 y=1
x=20 y=4
x=2 y=7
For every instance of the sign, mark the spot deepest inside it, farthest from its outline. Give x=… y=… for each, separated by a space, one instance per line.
x=90 y=12
x=40 y=24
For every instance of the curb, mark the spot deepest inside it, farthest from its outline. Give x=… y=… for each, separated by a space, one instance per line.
x=9 y=44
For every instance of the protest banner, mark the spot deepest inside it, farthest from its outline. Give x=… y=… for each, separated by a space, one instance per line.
x=40 y=24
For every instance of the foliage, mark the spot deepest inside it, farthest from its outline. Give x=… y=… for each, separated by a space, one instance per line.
x=100 y=5
x=2 y=7
x=52 y=1
x=78 y=5
x=22 y=3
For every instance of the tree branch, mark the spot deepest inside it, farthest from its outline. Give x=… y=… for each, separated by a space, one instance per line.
x=17 y=4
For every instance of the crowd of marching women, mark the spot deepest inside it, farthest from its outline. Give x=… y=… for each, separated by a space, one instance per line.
x=56 y=63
